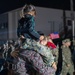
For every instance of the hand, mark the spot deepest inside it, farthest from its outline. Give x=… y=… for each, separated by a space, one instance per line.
x=41 y=37
x=22 y=37
x=14 y=54
x=54 y=66
x=68 y=65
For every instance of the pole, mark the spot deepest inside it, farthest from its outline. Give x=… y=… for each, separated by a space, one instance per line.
x=73 y=41
x=72 y=18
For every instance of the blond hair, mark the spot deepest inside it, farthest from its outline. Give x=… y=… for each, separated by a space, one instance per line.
x=26 y=9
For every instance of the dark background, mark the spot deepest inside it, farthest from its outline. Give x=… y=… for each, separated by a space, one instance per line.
x=8 y=5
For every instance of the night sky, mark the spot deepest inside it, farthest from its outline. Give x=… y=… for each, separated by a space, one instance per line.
x=8 y=5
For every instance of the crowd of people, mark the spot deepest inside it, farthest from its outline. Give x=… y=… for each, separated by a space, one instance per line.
x=34 y=53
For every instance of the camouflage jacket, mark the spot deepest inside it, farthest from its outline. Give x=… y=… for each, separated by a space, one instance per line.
x=44 y=51
x=66 y=55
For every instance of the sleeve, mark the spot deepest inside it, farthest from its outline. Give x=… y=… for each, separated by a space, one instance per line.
x=32 y=30
x=51 y=58
x=48 y=57
x=66 y=58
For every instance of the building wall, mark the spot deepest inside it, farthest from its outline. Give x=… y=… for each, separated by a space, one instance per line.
x=3 y=26
x=48 y=20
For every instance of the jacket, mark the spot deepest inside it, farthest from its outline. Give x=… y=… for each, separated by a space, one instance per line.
x=26 y=27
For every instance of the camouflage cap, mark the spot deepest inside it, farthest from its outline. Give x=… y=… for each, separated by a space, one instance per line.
x=66 y=40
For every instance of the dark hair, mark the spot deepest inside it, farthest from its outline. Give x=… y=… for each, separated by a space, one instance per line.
x=27 y=8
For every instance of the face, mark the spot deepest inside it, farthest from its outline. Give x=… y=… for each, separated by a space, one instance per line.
x=33 y=13
x=68 y=43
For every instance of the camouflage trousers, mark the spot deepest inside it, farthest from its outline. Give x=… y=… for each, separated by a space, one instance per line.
x=67 y=70
x=35 y=61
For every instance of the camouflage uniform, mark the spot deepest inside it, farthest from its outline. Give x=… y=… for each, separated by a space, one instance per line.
x=38 y=55
x=43 y=50
x=67 y=64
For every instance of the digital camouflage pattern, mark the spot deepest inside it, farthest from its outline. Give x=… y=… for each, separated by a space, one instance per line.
x=36 y=62
x=67 y=64
x=34 y=53
x=44 y=51
x=38 y=55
